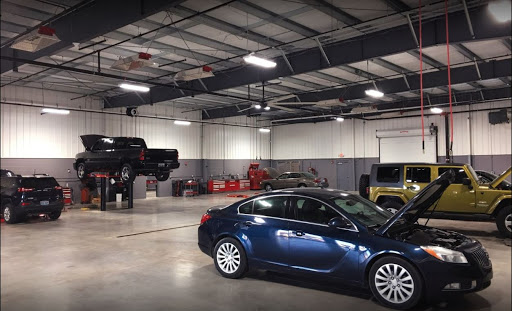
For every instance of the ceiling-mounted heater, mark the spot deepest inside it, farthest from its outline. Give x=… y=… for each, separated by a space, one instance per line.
x=133 y=62
x=36 y=40
x=363 y=109
x=194 y=74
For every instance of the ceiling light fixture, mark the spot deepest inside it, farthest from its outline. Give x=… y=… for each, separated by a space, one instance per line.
x=54 y=111
x=374 y=93
x=264 y=130
x=134 y=87
x=500 y=10
x=267 y=108
x=257 y=106
x=340 y=119
x=436 y=110
x=259 y=61
x=181 y=122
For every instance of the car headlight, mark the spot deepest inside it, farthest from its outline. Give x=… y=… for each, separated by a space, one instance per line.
x=445 y=254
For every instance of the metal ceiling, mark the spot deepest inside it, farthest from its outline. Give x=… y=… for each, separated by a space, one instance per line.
x=324 y=49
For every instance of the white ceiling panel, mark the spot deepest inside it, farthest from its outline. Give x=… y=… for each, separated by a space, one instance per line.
x=439 y=54
x=462 y=87
x=225 y=37
x=343 y=74
x=488 y=48
x=316 y=20
x=363 y=10
x=407 y=61
x=492 y=83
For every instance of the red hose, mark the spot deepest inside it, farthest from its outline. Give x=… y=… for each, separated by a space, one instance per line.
x=421 y=82
x=449 y=75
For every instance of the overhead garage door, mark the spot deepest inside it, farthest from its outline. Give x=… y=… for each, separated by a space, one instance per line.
x=405 y=146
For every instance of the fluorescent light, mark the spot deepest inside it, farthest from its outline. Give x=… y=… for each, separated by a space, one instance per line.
x=54 y=111
x=500 y=10
x=340 y=119
x=265 y=130
x=181 y=122
x=255 y=60
x=267 y=108
x=134 y=87
x=257 y=106
x=374 y=93
x=436 y=110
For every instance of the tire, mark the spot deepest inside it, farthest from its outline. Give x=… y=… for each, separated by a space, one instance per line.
x=54 y=215
x=162 y=176
x=392 y=206
x=268 y=187
x=384 y=282
x=127 y=173
x=9 y=214
x=504 y=221
x=364 y=185
x=302 y=186
x=81 y=172
x=230 y=259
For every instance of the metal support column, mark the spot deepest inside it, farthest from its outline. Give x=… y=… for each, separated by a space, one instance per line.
x=447 y=137
x=130 y=194
x=103 y=198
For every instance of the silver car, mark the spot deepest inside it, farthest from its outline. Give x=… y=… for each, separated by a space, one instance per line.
x=294 y=180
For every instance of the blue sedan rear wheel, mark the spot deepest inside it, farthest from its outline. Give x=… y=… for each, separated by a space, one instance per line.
x=230 y=259
x=395 y=283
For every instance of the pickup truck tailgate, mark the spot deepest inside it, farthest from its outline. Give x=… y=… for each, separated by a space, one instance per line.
x=161 y=156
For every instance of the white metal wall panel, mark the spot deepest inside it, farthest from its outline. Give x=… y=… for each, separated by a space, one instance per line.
x=324 y=140
x=235 y=142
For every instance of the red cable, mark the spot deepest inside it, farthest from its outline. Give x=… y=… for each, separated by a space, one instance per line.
x=421 y=81
x=449 y=75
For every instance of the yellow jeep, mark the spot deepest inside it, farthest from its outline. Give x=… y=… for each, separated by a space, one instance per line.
x=391 y=185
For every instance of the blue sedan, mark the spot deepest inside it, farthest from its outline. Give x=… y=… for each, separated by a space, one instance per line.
x=342 y=236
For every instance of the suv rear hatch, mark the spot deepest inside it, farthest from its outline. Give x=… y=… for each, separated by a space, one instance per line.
x=40 y=190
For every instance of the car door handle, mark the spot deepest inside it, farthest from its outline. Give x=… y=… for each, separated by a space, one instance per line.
x=248 y=223
x=299 y=233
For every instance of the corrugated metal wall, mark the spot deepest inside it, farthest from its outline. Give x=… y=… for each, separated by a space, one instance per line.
x=25 y=133
x=357 y=139
x=235 y=142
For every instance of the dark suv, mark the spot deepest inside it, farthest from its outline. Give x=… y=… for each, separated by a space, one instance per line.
x=23 y=196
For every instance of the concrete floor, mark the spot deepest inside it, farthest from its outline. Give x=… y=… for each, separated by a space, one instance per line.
x=89 y=260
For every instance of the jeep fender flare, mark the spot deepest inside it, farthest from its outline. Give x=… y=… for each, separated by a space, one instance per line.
x=496 y=205
x=394 y=195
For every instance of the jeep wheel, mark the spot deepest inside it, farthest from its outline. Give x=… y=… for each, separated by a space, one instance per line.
x=364 y=185
x=504 y=221
x=392 y=206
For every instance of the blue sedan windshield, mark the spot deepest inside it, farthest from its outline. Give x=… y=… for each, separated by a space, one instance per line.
x=366 y=212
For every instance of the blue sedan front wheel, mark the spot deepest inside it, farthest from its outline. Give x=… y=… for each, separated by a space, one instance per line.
x=395 y=283
x=230 y=259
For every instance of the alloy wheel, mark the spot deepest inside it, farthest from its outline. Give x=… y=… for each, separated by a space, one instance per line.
x=508 y=222
x=125 y=173
x=394 y=283
x=228 y=258
x=7 y=214
x=81 y=171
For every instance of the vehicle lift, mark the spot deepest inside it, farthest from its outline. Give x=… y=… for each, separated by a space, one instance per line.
x=103 y=192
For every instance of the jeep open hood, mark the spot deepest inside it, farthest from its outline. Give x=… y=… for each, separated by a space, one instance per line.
x=420 y=203
x=89 y=140
x=498 y=180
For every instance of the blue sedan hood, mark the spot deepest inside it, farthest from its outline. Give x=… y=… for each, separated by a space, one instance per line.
x=421 y=202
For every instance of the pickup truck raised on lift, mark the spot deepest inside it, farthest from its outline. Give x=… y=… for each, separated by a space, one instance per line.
x=128 y=156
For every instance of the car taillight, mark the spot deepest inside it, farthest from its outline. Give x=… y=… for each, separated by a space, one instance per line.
x=317 y=180
x=58 y=188
x=141 y=155
x=25 y=189
x=25 y=203
x=205 y=218
x=367 y=190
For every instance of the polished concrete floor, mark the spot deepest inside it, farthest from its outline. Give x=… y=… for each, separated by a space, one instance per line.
x=147 y=259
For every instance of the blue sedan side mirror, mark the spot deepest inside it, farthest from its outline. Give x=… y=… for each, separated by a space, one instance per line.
x=339 y=222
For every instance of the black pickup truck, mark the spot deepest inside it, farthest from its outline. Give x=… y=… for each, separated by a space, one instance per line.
x=128 y=156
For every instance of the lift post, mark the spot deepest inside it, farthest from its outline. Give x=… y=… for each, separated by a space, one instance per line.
x=103 y=192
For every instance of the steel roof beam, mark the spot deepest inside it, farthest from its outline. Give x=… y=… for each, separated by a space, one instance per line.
x=79 y=27
x=397 y=5
x=357 y=49
x=466 y=52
